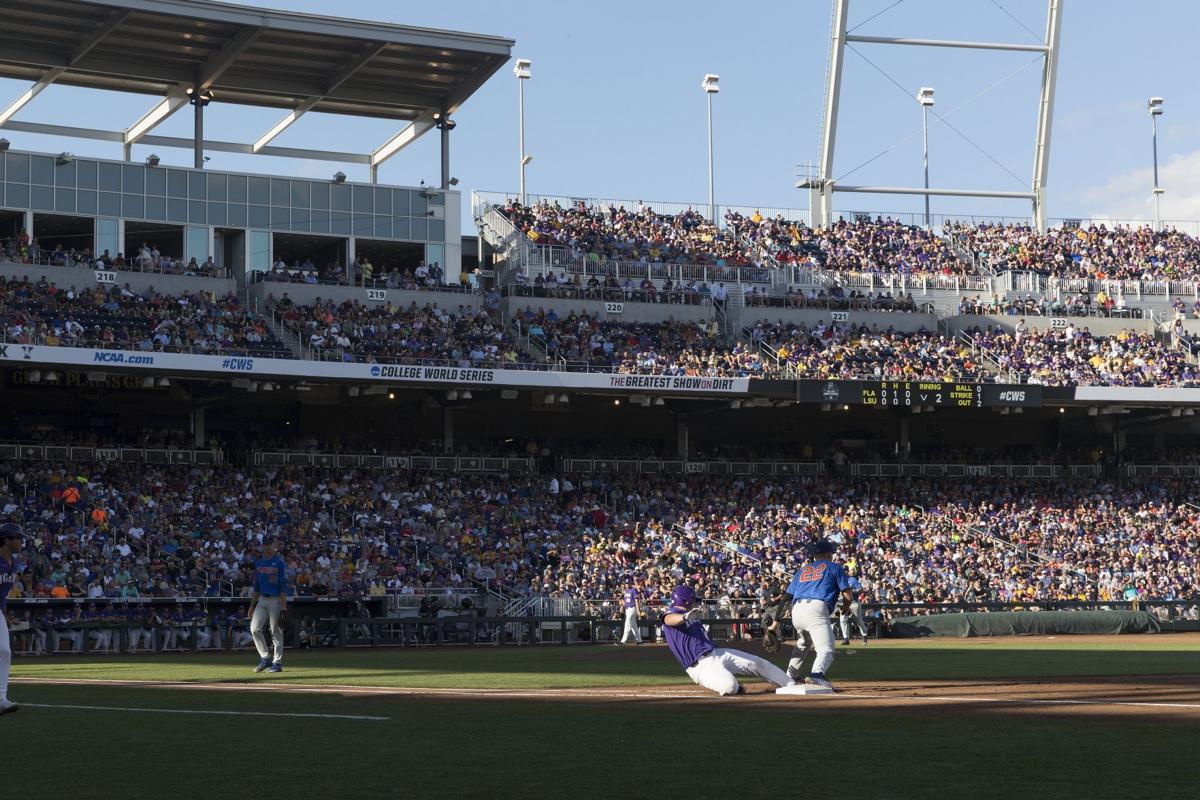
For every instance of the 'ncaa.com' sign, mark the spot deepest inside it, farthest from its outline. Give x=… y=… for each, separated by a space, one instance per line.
x=270 y=368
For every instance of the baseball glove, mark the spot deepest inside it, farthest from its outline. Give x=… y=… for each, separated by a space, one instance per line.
x=771 y=639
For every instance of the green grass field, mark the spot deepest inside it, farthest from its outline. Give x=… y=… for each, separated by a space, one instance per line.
x=299 y=745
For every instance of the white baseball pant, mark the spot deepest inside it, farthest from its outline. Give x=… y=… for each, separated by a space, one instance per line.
x=631 y=627
x=97 y=640
x=204 y=638
x=856 y=616
x=717 y=671
x=812 y=617
x=5 y=657
x=267 y=608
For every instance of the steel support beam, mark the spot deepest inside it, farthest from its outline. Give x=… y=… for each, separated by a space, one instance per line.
x=935 y=192
x=348 y=72
x=107 y=27
x=821 y=196
x=177 y=98
x=415 y=130
x=186 y=143
x=1020 y=48
x=1041 y=153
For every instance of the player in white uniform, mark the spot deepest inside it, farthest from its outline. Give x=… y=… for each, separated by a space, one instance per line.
x=11 y=539
x=815 y=590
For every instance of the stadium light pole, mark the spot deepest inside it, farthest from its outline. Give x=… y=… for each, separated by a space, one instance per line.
x=925 y=98
x=1155 y=106
x=521 y=70
x=710 y=87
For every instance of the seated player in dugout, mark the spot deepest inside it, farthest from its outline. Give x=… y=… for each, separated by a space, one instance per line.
x=714 y=668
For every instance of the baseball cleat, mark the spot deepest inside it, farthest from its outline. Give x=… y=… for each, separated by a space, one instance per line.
x=864 y=641
x=845 y=643
x=276 y=667
x=794 y=674
x=9 y=707
x=818 y=679
x=263 y=663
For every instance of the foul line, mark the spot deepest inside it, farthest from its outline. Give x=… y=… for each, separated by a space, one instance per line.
x=196 y=711
x=591 y=693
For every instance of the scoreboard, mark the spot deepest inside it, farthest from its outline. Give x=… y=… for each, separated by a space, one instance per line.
x=907 y=394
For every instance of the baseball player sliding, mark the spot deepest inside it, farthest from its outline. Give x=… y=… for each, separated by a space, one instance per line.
x=268 y=602
x=11 y=539
x=712 y=667
x=815 y=589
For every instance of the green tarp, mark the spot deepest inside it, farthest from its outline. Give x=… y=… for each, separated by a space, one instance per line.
x=1034 y=623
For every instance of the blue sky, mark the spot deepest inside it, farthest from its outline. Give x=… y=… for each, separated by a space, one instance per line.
x=615 y=108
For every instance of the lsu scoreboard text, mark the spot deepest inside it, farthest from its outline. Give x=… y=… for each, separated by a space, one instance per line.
x=907 y=394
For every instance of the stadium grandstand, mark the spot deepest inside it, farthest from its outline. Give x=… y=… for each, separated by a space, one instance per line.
x=979 y=414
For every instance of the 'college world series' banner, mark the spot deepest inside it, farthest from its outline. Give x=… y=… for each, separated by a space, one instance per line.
x=266 y=368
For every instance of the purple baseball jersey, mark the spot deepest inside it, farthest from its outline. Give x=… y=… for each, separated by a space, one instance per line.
x=631 y=597
x=689 y=642
x=8 y=576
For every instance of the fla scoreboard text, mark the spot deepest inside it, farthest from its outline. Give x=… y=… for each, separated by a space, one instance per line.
x=909 y=394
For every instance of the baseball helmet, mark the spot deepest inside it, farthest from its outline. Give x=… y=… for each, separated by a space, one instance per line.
x=683 y=597
x=822 y=546
x=11 y=530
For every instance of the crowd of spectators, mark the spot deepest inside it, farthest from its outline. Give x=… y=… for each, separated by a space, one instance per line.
x=354 y=332
x=1075 y=356
x=22 y=249
x=620 y=234
x=862 y=245
x=1098 y=252
x=673 y=347
x=873 y=246
x=42 y=313
x=119 y=531
x=839 y=351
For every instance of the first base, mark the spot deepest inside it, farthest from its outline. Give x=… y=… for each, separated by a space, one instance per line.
x=803 y=688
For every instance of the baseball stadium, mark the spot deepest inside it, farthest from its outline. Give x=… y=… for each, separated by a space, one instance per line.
x=332 y=466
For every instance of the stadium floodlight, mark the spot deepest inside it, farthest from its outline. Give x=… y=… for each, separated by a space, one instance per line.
x=454 y=181
x=153 y=160
x=521 y=70
x=710 y=87
x=1155 y=107
x=65 y=158
x=925 y=98
x=4 y=145
x=339 y=177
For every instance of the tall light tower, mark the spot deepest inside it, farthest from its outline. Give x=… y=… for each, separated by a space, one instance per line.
x=925 y=98
x=710 y=87
x=521 y=70
x=1155 y=106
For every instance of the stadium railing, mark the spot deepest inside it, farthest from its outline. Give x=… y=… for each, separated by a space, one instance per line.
x=281 y=458
x=37 y=451
x=653 y=466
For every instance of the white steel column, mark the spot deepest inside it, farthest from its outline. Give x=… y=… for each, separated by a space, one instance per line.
x=1041 y=156
x=822 y=214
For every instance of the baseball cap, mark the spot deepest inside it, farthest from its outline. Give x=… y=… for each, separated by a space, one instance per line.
x=11 y=530
x=822 y=546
